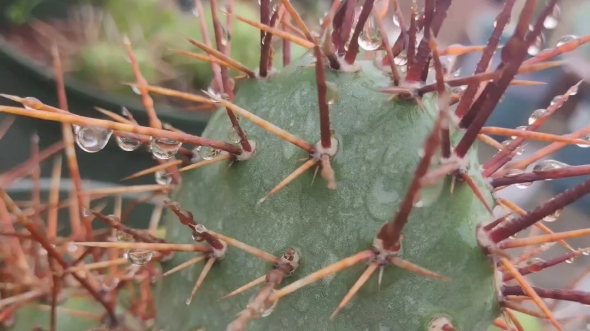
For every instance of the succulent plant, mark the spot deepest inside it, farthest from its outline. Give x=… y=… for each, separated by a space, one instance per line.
x=338 y=193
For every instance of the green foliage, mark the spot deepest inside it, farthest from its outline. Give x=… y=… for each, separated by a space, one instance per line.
x=379 y=150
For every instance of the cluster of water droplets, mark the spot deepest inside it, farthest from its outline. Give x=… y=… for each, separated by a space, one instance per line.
x=550 y=23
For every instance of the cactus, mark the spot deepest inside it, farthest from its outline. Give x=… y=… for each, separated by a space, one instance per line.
x=338 y=193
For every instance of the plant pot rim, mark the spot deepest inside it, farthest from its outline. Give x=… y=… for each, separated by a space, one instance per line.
x=28 y=67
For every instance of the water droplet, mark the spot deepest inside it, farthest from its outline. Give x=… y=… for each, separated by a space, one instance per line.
x=200 y=228
x=553 y=217
x=135 y=89
x=546 y=165
x=164 y=148
x=585 y=138
x=537 y=114
x=86 y=212
x=586 y=252
x=233 y=135
x=139 y=256
x=332 y=93
x=537 y=45
x=396 y=20
x=370 y=38
x=569 y=261
x=206 y=152
x=400 y=60
x=225 y=36
x=163 y=177
x=566 y=39
x=521 y=128
x=32 y=103
x=123 y=237
x=516 y=172
x=519 y=150
x=195 y=12
x=91 y=139
x=127 y=144
x=553 y=19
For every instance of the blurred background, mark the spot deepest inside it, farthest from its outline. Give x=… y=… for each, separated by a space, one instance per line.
x=88 y=34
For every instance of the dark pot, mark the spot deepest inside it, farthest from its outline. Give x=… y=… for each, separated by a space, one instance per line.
x=20 y=76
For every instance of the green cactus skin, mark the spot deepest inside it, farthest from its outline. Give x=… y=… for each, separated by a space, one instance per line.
x=379 y=143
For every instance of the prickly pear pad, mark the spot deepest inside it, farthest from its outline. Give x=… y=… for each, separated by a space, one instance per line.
x=379 y=148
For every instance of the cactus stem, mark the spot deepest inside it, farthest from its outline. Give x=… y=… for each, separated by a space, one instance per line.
x=565 y=172
x=204 y=163
x=531 y=135
x=51 y=252
x=566 y=295
x=250 y=285
x=339 y=266
x=543 y=239
x=518 y=82
x=542 y=265
x=505 y=155
x=217 y=80
x=153 y=169
x=220 y=41
x=548 y=208
x=183 y=266
x=290 y=178
x=279 y=33
x=201 y=279
x=389 y=58
x=529 y=290
x=26 y=296
x=373 y=266
x=412 y=35
x=159 y=247
x=213 y=52
x=353 y=48
x=391 y=232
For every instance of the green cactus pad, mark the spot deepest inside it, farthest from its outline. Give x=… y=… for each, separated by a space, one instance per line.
x=379 y=149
